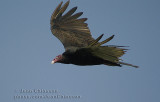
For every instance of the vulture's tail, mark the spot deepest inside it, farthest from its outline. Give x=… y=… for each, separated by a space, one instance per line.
x=128 y=64
x=111 y=55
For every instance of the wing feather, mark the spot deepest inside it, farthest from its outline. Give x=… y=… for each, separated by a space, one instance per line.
x=70 y=30
x=69 y=13
x=75 y=16
x=55 y=13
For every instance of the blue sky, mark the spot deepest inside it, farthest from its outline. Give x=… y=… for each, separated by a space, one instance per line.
x=27 y=48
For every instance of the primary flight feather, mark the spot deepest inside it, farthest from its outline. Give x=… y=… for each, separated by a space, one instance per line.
x=80 y=47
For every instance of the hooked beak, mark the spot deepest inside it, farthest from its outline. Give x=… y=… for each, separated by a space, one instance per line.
x=52 y=62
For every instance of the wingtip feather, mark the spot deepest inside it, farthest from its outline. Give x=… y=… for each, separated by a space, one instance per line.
x=56 y=10
x=64 y=7
x=95 y=42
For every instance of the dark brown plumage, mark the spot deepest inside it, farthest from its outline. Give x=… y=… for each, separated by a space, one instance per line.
x=80 y=47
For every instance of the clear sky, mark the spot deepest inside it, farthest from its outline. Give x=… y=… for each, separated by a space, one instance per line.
x=27 y=48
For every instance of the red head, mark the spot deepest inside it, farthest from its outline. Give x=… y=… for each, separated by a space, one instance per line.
x=57 y=59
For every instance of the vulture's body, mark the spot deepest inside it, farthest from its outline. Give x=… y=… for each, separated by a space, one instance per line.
x=80 y=47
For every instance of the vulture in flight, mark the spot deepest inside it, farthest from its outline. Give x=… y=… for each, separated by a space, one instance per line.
x=80 y=47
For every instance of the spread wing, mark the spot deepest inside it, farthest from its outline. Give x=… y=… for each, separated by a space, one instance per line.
x=69 y=29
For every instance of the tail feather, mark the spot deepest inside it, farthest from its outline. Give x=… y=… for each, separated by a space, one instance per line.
x=110 y=54
x=128 y=64
x=108 y=63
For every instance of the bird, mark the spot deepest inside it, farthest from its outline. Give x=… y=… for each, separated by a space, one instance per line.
x=80 y=47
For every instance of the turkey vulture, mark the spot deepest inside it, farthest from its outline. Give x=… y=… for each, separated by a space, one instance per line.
x=80 y=47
